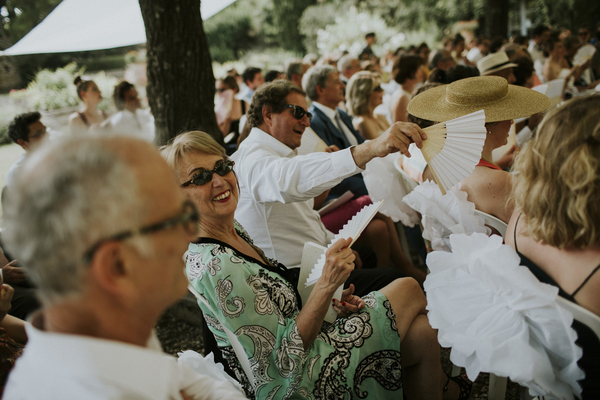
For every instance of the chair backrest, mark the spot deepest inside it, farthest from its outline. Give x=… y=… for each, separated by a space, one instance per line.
x=235 y=342
x=493 y=222
x=582 y=315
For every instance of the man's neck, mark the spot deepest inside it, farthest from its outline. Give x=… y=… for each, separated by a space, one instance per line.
x=98 y=321
x=330 y=106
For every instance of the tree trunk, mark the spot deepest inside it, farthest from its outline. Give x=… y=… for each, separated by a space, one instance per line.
x=496 y=18
x=181 y=84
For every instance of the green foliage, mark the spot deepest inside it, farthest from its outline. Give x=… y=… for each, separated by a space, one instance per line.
x=337 y=27
x=285 y=22
x=52 y=90
x=231 y=33
x=23 y=15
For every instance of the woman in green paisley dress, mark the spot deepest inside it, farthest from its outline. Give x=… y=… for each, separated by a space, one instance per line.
x=293 y=353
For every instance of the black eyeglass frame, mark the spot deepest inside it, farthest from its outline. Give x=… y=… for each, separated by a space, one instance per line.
x=224 y=163
x=299 y=110
x=188 y=214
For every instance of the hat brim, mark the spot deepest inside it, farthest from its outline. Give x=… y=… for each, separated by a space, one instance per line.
x=491 y=71
x=518 y=103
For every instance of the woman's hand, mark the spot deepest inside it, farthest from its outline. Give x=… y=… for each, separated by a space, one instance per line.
x=349 y=303
x=339 y=263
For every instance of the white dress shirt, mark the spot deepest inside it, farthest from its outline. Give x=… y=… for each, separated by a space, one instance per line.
x=337 y=121
x=277 y=188
x=139 y=125
x=10 y=175
x=63 y=367
x=536 y=52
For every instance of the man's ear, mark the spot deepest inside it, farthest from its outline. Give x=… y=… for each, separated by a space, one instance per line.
x=23 y=143
x=267 y=113
x=319 y=89
x=109 y=270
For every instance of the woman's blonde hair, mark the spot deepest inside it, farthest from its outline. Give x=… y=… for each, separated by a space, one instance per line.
x=190 y=142
x=358 y=92
x=558 y=184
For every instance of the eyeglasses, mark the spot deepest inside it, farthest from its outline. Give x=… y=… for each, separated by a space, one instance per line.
x=298 y=112
x=221 y=90
x=203 y=176
x=188 y=218
x=378 y=88
x=583 y=33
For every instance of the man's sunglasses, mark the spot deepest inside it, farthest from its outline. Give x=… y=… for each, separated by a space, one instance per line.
x=298 y=112
x=188 y=218
x=203 y=176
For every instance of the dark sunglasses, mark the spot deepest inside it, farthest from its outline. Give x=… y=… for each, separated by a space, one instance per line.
x=298 y=112
x=378 y=88
x=203 y=176
x=221 y=90
x=188 y=218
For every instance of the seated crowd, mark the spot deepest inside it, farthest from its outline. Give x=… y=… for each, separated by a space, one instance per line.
x=91 y=249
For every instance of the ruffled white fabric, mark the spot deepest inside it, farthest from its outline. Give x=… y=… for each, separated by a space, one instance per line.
x=385 y=183
x=442 y=215
x=206 y=366
x=499 y=318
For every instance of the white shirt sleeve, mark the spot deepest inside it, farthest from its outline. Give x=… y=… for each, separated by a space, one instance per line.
x=272 y=178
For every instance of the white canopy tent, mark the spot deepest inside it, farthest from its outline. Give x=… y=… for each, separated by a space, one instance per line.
x=82 y=25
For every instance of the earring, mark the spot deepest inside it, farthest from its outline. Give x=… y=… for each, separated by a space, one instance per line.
x=489 y=132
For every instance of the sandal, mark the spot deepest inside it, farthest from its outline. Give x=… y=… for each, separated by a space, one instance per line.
x=464 y=385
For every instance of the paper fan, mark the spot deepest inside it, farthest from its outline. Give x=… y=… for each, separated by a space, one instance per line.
x=453 y=148
x=352 y=229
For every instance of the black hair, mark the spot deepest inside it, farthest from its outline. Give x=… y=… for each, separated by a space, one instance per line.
x=272 y=75
x=249 y=74
x=119 y=94
x=405 y=67
x=19 y=127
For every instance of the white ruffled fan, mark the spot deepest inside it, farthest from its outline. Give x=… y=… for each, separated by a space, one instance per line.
x=453 y=148
x=352 y=229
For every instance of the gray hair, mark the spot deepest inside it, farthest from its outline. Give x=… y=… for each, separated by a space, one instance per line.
x=294 y=67
x=316 y=76
x=68 y=195
x=345 y=62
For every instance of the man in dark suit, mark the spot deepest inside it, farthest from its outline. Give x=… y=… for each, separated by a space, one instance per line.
x=324 y=87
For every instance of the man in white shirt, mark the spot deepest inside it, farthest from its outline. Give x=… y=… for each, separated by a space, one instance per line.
x=106 y=226
x=277 y=187
x=28 y=131
x=131 y=119
x=539 y=37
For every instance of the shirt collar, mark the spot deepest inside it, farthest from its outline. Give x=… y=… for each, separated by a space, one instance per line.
x=330 y=112
x=139 y=369
x=263 y=138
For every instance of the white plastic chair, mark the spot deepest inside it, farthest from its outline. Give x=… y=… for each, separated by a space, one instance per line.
x=493 y=222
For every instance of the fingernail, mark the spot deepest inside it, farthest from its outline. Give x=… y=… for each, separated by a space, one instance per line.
x=333 y=300
x=343 y=303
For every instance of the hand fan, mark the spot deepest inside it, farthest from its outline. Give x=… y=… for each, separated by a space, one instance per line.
x=453 y=148
x=353 y=229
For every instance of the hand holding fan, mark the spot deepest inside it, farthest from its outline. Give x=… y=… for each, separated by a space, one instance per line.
x=352 y=229
x=453 y=148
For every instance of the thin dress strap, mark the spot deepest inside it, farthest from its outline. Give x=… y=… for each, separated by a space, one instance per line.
x=585 y=281
x=515 y=232
x=580 y=286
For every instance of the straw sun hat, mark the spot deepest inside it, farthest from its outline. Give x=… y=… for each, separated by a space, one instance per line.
x=493 y=94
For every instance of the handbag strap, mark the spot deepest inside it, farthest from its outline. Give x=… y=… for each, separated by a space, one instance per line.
x=235 y=342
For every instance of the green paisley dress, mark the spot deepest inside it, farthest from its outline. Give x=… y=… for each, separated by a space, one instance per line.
x=356 y=357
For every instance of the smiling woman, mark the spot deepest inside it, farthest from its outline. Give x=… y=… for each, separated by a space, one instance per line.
x=256 y=297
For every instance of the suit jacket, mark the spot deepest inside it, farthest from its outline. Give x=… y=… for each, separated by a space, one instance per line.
x=331 y=134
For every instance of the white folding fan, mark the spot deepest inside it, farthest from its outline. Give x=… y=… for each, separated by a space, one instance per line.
x=353 y=229
x=453 y=148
